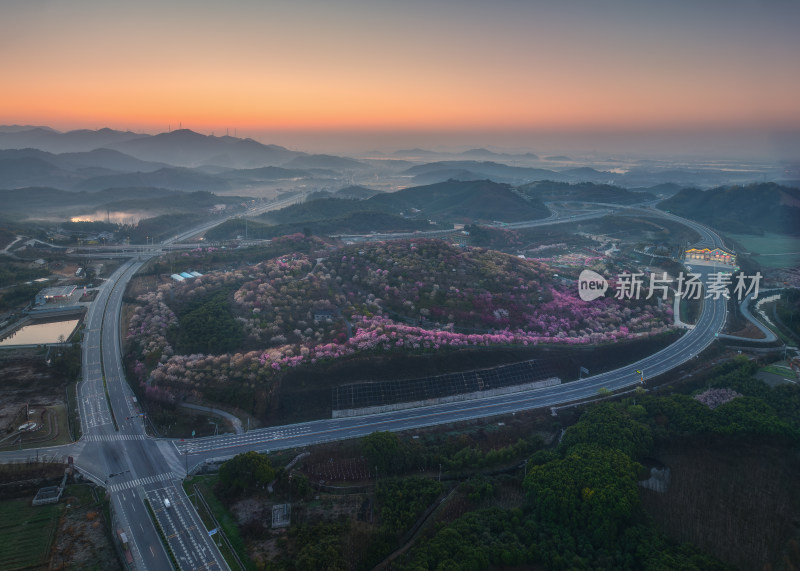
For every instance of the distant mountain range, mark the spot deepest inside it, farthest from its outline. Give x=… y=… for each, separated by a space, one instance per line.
x=475 y=170
x=46 y=139
x=182 y=147
x=105 y=168
x=480 y=153
x=187 y=148
x=35 y=202
x=186 y=160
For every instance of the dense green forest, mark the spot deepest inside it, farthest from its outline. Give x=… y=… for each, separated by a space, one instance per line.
x=788 y=310
x=579 y=504
x=360 y=222
x=208 y=325
x=751 y=209
x=551 y=191
x=320 y=209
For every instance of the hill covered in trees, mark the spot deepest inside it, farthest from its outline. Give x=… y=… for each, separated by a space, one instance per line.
x=357 y=222
x=499 y=497
x=464 y=201
x=430 y=207
x=551 y=191
x=359 y=301
x=751 y=209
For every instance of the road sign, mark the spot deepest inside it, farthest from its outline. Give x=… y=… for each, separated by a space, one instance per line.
x=212 y=531
x=192 y=433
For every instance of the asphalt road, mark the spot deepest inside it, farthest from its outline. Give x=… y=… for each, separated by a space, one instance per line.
x=280 y=437
x=135 y=468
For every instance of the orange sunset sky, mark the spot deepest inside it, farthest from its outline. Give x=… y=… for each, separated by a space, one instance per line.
x=298 y=66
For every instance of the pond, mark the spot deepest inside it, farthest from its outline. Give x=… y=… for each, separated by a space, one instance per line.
x=41 y=333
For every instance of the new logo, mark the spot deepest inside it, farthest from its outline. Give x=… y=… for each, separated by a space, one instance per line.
x=591 y=285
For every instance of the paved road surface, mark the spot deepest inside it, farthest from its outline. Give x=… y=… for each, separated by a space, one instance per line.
x=135 y=468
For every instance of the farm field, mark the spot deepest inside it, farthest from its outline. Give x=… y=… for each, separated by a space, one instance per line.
x=774 y=250
x=27 y=533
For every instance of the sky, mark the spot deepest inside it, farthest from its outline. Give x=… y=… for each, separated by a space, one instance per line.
x=433 y=71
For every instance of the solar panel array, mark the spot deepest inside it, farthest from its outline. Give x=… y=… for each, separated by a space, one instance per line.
x=359 y=395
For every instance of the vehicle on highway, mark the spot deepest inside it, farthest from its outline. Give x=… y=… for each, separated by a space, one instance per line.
x=166 y=503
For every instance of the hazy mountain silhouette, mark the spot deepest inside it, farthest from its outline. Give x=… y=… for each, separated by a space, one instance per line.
x=33 y=171
x=32 y=167
x=324 y=162
x=20 y=128
x=486 y=153
x=187 y=148
x=173 y=178
x=461 y=170
x=417 y=152
x=192 y=179
x=46 y=139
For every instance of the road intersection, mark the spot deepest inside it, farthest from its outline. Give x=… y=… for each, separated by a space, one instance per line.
x=138 y=471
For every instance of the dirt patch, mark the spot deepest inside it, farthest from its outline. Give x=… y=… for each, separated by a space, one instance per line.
x=82 y=539
x=265 y=543
x=749 y=331
x=27 y=383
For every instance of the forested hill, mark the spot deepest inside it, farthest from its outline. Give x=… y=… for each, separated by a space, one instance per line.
x=464 y=201
x=320 y=209
x=451 y=201
x=548 y=190
x=752 y=209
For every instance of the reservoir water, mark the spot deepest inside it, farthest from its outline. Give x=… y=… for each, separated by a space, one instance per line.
x=41 y=333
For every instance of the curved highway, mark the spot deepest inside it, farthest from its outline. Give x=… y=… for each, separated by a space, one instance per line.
x=684 y=349
x=115 y=453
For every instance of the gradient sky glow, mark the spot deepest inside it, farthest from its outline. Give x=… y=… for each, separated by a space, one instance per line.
x=380 y=65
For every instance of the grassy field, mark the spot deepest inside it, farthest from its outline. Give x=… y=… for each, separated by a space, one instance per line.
x=774 y=250
x=778 y=370
x=27 y=533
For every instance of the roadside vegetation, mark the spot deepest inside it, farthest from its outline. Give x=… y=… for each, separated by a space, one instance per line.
x=577 y=503
x=230 y=336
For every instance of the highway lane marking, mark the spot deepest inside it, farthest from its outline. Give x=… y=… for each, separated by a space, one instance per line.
x=656 y=360
x=284 y=436
x=112 y=437
x=144 y=481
